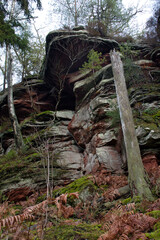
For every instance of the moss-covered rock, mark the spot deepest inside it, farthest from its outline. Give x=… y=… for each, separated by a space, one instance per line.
x=74 y=231
x=77 y=186
x=20 y=168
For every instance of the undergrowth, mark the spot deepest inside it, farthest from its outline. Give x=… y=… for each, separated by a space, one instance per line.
x=67 y=216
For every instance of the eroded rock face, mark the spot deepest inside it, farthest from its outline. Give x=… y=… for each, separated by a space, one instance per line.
x=31 y=96
x=84 y=132
x=67 y=51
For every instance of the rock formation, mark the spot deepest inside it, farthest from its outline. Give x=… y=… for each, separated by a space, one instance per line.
x=76 y=114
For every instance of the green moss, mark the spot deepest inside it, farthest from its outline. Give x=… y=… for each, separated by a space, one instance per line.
x=18 y=209
x=48 y=112
x=10 y=155
x=147 y=118
x=151 y=111
x=141 y=122
x=76 y=186
x=32 y=157
x=45 y=116
x=104 y=187
x=10 y=164
x=137 y=199
x=41 y=198
x=155 y=214
x=156 y=116
x=71 y=232
x=126 y=201
x=157 y=226
x=154 y=235
x=16 y=165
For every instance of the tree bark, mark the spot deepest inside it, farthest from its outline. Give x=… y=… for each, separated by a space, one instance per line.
x=76 y=15
x=16 y=128
x=138 y=180
x=5 y=68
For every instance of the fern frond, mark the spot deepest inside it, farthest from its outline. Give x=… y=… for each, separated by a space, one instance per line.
x=10 y=221
x=61 y=201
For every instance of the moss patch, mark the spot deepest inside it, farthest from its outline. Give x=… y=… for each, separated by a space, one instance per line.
x=17 y=166
x=126 y=201
x=71 y=232
x=144 y=124
x=155 y=214
x=45 y=116
x=156 y=233
x=10 y=164
x=77 y=186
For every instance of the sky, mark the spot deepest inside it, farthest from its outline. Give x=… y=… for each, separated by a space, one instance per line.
x=145 y=6
x=47 y=21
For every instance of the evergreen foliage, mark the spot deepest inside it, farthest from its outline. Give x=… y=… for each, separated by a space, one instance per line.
x=114 y=115
x=8 y=25
x=109 y=17
x=133 y=73
x=94 y=63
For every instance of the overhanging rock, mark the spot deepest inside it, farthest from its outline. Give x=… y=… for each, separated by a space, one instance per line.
x=66 y=51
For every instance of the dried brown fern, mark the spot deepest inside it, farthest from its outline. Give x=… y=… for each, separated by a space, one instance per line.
x=128 y=226
x=5 y=209
x=28 y=214
x=103 y=177
x=61 y=202
x=154 y=206
x=114 y=182
x=9 y=222
x=38 y=207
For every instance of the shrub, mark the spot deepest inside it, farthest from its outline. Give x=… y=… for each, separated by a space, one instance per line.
x=95 y=60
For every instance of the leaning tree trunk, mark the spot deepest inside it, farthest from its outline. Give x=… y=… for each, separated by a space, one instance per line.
x=16 y=128
x=138 y=180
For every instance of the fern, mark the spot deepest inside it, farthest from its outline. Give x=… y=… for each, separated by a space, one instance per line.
x=60 y=203
x=12 y=220
x=30 y=212
x=127 y=226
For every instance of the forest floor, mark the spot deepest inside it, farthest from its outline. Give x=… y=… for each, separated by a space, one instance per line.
x=93 y=207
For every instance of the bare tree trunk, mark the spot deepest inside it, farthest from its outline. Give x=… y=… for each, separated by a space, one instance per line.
x=138 y=180
x=5 y=68
x=76 y=15
x=16 y=128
